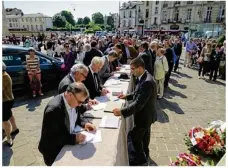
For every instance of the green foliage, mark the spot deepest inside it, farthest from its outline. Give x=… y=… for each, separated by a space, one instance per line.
x=86 y=20
x=59 y=21
x=80 y=21
x=69 y=17
x=98 y=18
x=221 y=39
x=110 y=21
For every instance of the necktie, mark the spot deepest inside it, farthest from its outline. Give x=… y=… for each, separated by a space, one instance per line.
x=137 y=81
x=95 y=80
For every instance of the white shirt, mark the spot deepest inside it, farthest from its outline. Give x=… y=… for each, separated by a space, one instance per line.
x=72 y=114
x=139 y=78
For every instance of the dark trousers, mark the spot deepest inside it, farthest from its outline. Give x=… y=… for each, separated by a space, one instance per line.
x=206 y=66
x=168 y=74
x=200 y=68
x=140 y=139
x=214 y=66
x=49 y=161
x=177 y=63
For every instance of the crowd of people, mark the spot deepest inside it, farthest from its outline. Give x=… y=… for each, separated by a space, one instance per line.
x=151 y=61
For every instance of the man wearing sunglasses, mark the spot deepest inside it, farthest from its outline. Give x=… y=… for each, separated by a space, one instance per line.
x=61 y=116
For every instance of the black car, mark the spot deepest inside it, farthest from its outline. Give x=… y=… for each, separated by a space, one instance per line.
x=15 y=59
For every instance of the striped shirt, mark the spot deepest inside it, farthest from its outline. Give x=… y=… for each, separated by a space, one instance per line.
x=33 y=64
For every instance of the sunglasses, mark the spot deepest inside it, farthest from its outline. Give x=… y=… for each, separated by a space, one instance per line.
x=83 y=75
x=79 y=102
x=66 y=46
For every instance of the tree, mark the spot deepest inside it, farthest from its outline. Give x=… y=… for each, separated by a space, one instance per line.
x=80 y=21
x=110 y=21
x=98 y=18
x=59 y=21
x=69 y=17
x=86 y=20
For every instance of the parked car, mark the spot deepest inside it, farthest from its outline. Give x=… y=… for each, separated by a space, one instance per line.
x=15 y=59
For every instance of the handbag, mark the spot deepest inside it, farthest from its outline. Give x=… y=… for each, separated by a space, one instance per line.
x=200 y=60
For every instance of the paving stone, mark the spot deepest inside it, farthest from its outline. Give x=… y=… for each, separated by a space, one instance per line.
x=171 y=147
x=161 y=161
x=161 y=147
x=168 y=153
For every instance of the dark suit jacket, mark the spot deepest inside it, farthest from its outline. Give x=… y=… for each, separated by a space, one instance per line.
x=90 y=54
x=144 y=100
x=55 y=131
x=90 y=84
x=68 y=61
x=153 y=54
x=65 y=82
x=177 y=49
x=105 y=72
x=147 y=58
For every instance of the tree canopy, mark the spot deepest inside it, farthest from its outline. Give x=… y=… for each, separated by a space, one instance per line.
x=98 y=18
x=59 y=21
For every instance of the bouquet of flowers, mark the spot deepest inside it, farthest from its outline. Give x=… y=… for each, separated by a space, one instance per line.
x=184 y=159
x=210 y=141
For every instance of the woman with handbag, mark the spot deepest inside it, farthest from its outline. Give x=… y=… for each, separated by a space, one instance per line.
x=33 y=68
x=204 y=59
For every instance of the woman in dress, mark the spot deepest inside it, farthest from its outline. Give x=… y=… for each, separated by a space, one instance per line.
x=33 y=68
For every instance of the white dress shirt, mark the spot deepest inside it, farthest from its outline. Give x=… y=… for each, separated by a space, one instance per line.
x=72 y=114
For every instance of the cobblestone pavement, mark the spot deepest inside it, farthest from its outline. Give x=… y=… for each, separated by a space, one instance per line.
x=188 y=102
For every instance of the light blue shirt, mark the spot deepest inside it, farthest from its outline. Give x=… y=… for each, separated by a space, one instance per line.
x=72 y=114
x=127 y=52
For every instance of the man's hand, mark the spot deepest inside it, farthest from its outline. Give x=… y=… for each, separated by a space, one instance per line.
x=93 y=102
x=90 y=127
x=116 y=112
x=122 y=96
x=117 y=68
x=80 y=138
x=104 y=92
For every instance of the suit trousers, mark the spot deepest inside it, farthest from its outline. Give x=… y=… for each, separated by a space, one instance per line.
x=141 y=140
x=168 y=74
x=160 y=86
x=177 y=63
x=187 y=60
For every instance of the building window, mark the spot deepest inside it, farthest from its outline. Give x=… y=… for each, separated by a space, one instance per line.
x=189 y=14
x=36 y=27
x=27 y=27
x=209 y=11
x=129 y=23
x=156 y=10
x=124 y=23
x=147 y=13
x=147 y=3
x=189 y=2
x=165 y=15
x=32 y=27
x=9 y=20
x=26 y=19
x=139 y=9
x=41 y=19
x=155 y=21
x=30 y=19
x=130 y=14
x=10 y=25
x=176 y=15
x=22 y=19
x=35 y=19
x=41 y=27
x=177 y=3
x=124 y=14
x=157 y=2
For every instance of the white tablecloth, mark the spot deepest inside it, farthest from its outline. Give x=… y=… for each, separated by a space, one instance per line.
x=112 y=151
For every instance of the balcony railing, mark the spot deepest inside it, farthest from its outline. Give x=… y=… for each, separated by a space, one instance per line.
x=165 y=5
x=164 y=21
x=207 y=20
x=220 y=20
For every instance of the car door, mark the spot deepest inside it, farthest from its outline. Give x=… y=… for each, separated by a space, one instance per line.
x=15 y=66
x=48 y=73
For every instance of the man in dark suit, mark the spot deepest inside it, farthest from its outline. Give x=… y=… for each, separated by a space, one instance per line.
x=146 y=56
x=92 y=81
x=178 y=50
x=78 y=73
x=106 y=71
x=92 y=53
x=143 y=106
x=61 y=115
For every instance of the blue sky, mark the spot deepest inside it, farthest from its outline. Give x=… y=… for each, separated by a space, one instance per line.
x=82 y=8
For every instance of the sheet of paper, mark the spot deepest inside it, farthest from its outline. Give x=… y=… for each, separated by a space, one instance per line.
x=112 y=105
x=99 y=106
x=97 y=138
x=92 y=137
x=110 y=122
